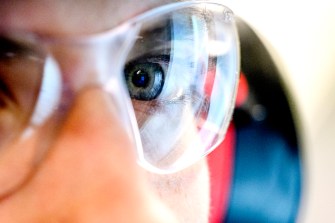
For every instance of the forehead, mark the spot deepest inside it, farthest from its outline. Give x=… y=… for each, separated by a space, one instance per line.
x=69 y=17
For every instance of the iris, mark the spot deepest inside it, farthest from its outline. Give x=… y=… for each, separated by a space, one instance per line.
x=145 y=80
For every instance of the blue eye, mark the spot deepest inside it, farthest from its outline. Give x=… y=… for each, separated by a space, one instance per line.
x=145 y=79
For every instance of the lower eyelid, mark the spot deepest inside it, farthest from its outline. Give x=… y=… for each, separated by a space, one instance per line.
x=181 y=99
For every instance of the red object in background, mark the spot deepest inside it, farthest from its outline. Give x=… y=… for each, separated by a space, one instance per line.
x=243 y=91
x=220 y=163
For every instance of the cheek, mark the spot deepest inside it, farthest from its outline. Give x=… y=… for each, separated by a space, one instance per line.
x=186 y=193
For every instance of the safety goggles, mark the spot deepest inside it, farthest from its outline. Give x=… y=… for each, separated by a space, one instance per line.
x=171 y=72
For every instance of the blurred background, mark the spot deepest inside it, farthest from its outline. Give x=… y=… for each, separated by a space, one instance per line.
x=300 y=37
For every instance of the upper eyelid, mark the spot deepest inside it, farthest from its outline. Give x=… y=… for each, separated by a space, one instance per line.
x=150 y=57
x=160 y=58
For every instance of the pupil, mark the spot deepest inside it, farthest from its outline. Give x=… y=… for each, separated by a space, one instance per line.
x=141 y=79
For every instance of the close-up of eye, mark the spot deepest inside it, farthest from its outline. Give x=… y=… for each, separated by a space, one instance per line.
x=145 y=77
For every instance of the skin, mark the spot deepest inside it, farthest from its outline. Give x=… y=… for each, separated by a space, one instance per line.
x=89 y=173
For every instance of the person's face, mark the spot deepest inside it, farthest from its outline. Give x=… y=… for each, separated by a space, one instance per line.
x=90 y=174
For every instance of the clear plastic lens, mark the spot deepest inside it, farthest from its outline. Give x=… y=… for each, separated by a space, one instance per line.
x=172 y=73
x=181 y=75
x=21 y=74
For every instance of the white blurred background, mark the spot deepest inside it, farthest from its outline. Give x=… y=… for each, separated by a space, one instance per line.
x=300 y=35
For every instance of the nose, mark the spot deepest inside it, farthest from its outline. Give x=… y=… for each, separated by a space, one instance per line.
x=90 y=173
